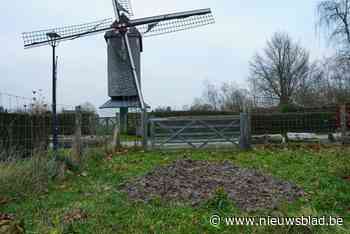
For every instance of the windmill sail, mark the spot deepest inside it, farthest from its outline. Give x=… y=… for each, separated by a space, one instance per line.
x=150 y=27
x=123 y=6
x=39 y=38
x=171 y=24
x=116 y=10
x=166 y=17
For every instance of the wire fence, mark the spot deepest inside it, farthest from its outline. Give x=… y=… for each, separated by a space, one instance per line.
x=24 y=134
x=26 y=125
x=10 y=103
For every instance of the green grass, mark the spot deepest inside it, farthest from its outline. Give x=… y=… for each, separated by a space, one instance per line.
x=109 y=211
x=126 y=137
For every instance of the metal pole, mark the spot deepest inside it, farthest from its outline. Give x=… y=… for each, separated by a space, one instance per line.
x=54 y=111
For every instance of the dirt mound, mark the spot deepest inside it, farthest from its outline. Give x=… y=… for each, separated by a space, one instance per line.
x=197 y=181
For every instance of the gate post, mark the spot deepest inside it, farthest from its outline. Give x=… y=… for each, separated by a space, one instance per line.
x=152 y=133
x=116 y=134
x=245 y=138
x=77 y=146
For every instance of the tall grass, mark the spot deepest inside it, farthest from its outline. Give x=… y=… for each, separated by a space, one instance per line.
x=23 y=177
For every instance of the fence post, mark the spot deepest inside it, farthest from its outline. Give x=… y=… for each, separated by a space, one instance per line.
x=152 y=133
x=77 y=146
x=144 y=128
x=343 y=123
x=245 y=139
x=92 y=125
x=116 y=134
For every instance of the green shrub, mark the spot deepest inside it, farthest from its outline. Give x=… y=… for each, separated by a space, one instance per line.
x=220 y=201
x=287 y=108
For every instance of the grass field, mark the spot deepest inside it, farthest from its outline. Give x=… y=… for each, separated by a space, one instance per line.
x=91 y=202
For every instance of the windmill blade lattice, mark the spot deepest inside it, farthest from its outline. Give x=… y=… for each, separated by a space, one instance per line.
x=115 y=8
x=39 y=38
x=126 y=4
x=174 y=25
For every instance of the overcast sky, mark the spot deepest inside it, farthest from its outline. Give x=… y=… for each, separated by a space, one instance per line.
x=174 y=66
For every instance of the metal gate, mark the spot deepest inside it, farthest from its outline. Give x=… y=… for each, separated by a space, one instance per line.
x=196 y=132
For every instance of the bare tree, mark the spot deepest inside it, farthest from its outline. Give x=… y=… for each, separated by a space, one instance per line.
x=313 y=88
x=328 y=83
x=337 y=77
x=39 y=104
x=224 y=97
x=200 y=105
x=163 y=109
x=211 y=95
x=334 y=17
x=233 y=98
x=280 y=69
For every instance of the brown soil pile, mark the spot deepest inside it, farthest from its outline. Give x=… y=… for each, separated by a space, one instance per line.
x=197 y=181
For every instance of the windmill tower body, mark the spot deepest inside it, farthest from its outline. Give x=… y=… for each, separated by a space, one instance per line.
x=121 y=86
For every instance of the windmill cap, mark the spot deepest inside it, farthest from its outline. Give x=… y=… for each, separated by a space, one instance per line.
x=132 y=32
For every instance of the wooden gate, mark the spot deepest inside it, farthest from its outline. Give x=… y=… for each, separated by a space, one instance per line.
x=196 y=132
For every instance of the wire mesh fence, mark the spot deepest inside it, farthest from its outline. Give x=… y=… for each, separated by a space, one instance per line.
x=26 y=125
x=26 y=128
x=281 y=123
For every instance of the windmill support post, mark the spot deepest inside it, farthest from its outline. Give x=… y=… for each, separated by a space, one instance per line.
x=144 y=128
x=116 y=134
x=123 y=120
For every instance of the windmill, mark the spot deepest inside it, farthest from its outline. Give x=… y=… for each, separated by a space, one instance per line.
x=124 y=42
